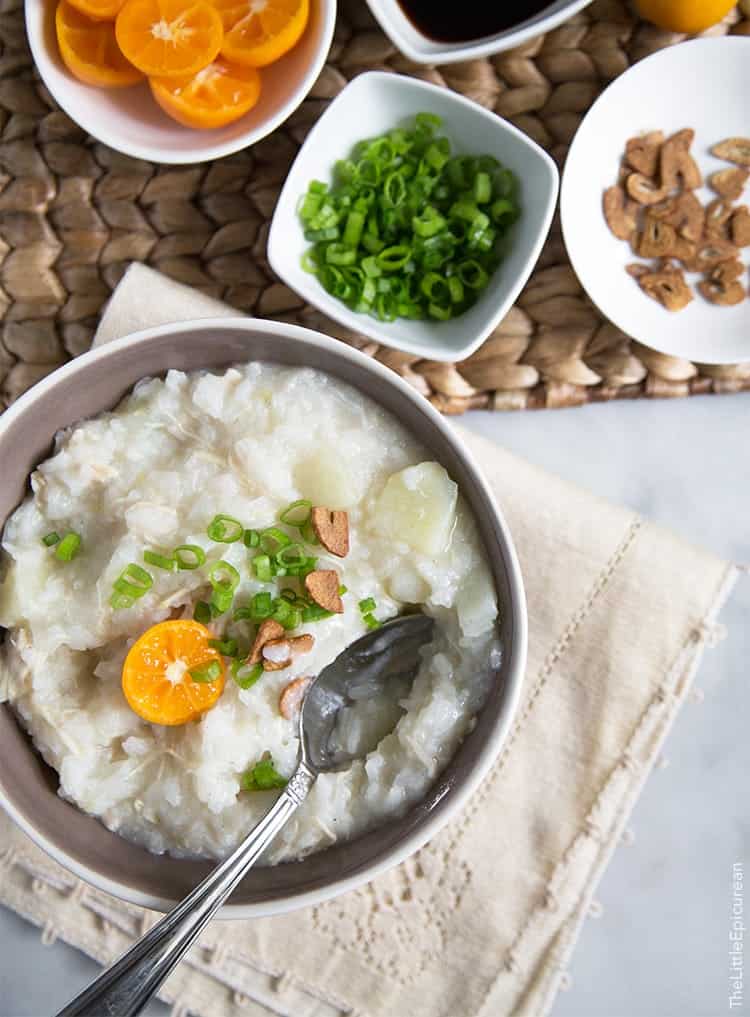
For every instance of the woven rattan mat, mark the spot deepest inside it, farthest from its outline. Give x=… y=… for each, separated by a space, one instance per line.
x=73 y=214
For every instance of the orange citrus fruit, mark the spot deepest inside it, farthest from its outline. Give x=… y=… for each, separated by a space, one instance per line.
x=215 y=96
x=89 y=50
x=258 y=32
x=689 y=16
x=156 y=678
x=169 y=38
x=103 y=10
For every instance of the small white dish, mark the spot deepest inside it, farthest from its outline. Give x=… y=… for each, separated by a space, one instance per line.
x=129 y=120
x=703 y=84
x=376 y=102
x=422 y=50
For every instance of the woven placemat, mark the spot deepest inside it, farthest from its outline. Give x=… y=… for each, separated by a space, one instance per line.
x=73 y=214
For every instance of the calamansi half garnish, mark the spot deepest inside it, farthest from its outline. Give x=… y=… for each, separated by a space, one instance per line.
x=259 y=32
x=169 y=38
x=90 y=51
x=171 y=674
x=213 y=97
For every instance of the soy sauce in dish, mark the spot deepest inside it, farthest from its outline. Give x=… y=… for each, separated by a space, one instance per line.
x=448 y=21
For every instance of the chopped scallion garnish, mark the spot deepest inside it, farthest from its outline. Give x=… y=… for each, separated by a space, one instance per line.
x=367 y=605
x=224 y=576
x=246 y=675
x=272 y=540
x=225 y=529
x=262 y=777
x=371 y=621
x=202 y=612
x=189 y=556
x=262 y=568
x=251 y=538
x=132 y=584
x=296 y=514
x=226 y=647
x=68 y=547
x=51 y=539
x=160 y=561
x=204 y=673
x=262 y=606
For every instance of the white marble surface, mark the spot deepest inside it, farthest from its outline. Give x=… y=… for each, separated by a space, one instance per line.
x=660 y=948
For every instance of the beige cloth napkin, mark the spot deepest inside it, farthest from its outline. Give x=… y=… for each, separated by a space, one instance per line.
x=482 y=921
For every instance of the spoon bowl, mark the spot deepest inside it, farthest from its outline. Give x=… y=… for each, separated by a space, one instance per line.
x=358 y=673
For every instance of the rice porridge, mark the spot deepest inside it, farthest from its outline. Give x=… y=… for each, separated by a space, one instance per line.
x=222 y=505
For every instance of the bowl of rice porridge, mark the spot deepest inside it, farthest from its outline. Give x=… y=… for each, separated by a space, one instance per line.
x=196 y=520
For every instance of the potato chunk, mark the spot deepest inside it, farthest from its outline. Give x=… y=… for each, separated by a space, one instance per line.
x=418 y=507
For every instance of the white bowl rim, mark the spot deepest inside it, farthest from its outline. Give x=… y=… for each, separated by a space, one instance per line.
x=363 y=323
x=517 y=664
x=566 y=209
x=450 y=53
x=166 y=156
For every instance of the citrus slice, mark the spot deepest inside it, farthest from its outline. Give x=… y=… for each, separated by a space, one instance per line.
x=258 y=32
x=169 y=38
x=689 y=16
x=89 y=50
x=103 y=10
x=156 y=676
x=215 y=96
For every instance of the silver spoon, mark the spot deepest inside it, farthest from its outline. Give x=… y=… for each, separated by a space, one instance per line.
x=357 y=673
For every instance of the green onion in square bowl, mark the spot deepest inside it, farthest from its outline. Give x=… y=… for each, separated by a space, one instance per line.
x=454 y=330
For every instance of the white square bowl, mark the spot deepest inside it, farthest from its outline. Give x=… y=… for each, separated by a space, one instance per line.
x=376 y=102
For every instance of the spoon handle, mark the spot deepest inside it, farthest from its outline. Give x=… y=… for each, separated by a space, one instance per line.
x=125 y=987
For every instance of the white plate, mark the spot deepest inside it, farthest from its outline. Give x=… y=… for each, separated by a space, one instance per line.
x=129 y=120
x=704 y=84
x=375 y=102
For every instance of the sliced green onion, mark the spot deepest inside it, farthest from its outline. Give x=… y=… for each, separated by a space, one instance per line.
x=221 y=601
x=189 y=556
x=273 y=539
x=292 y=554
x=244 y=613
x=202 y=612
x=262 y=568
x=281 y=611
x=51 y=539
x=367 y=605
x=68 y=547
x=296 y=514
x=402 y=207
x=133 y=581
x=342 y=590
x=205 y=673
x=251 y=538
x=262 y=606
x=226 y=647
x=223 y=576
x=308 y=533
x=314 y=613
x=160 y=561
x=246 y=675
x=263 y=777
x=225 y=529
x=371 y=621
x=120 y=601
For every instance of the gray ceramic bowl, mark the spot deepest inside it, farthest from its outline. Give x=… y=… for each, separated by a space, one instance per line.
x=28 y=788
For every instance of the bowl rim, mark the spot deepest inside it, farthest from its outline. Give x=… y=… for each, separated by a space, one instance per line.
x=362 y=323
x=516 y=608
x=449 y=53
x=166 y=156
x=566 y=208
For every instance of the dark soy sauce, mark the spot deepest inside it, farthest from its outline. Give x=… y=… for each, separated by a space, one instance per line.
x=463 y=20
